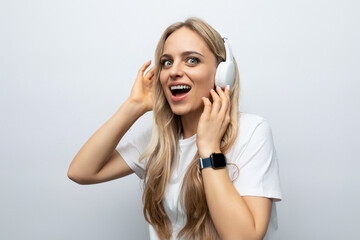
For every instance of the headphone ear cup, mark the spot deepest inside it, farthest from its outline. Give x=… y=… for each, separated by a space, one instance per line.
x=225 y=74
x=218 y=75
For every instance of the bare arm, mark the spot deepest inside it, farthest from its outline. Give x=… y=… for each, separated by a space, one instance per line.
x=234 y=216
x=98 y=161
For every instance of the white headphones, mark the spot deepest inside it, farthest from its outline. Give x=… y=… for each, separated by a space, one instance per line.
x=225 y=72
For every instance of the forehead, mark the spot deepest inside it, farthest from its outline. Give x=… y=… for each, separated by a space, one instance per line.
x=185 y=39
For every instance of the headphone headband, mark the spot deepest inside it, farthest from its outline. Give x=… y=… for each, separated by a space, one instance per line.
x=225 y=72
x=229 y=56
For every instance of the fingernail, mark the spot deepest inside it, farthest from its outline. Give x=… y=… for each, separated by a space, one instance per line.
x=212 y=90
x=228 y=87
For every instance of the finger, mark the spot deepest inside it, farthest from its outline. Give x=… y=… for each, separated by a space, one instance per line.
x=143 y=68
x=225 y=101
x=207 y=106
x=228 y=91
x=228 y=95
x=216 y=101
x=228 y=110
x=221 y=93
x=150 y=73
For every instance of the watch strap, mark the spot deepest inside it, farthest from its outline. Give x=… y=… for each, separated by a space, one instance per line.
x=205 y=162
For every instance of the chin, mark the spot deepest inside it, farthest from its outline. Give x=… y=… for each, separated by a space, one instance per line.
x=179 y=111
x=184 y=110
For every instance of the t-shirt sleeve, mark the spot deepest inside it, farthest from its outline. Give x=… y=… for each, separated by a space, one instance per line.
x=258 y=165
x=131 y=148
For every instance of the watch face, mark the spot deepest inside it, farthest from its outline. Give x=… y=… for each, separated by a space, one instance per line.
x=218 y=160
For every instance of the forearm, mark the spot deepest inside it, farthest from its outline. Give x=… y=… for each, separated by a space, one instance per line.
x=234 y=216
x=229 y=212
x=96 y=151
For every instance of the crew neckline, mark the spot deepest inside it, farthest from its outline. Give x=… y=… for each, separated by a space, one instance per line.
x=187 y=140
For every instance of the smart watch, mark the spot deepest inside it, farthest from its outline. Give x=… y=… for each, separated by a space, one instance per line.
x=216 y=161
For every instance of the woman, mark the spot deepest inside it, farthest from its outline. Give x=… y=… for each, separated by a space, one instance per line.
x=193 y=121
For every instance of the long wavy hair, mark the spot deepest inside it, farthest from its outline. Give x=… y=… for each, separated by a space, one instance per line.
x=161 y=152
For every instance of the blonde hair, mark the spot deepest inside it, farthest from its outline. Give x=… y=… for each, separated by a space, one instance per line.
x=161 y=152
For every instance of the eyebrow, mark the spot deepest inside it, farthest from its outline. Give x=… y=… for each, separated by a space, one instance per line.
x=186 y=53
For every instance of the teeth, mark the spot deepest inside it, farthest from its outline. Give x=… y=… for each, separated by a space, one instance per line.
x=179 y=87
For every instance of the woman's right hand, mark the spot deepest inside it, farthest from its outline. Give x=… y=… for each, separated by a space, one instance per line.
x=142 y=92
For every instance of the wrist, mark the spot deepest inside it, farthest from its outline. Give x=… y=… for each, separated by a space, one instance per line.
x=207 y=152
x=136 y=107
x=215 y=160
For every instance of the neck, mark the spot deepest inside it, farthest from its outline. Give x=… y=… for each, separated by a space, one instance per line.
x=189 y=123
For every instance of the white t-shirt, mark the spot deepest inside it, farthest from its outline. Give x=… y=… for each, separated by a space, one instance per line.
x=253 y=152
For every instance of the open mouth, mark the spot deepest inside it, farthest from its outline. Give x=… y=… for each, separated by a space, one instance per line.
x=179 y=90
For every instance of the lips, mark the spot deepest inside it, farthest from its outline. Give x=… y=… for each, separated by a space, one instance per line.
x=179 y=91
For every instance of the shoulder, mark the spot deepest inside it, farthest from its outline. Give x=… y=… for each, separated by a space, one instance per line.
x=139 y=135
x=254 y=155
x=133 y=145
x=253 y=130
x=249 y=124
x=136 y=139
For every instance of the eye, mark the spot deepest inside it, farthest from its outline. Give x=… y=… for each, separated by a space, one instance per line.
x=166 y=62
x=193 y=60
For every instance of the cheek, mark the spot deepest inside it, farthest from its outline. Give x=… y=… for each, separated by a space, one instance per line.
x=162 y=80
x=205 y=77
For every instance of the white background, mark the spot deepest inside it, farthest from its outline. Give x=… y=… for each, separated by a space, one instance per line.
x=66 y=67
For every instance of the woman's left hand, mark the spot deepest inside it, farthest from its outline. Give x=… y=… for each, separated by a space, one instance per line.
x=213 y=122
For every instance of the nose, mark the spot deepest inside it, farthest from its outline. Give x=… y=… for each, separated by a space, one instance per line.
x=176 y=70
